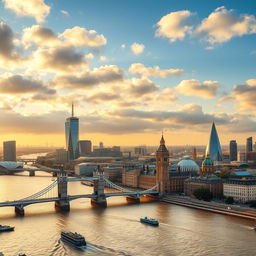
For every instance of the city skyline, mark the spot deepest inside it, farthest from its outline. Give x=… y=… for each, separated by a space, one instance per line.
x=130 y=73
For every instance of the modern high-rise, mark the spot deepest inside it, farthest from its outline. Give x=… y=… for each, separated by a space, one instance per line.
x=232 y=150
x=213 y=149
x=9 y=148
x=248 y=145
x=85 y=147
x=72 y=136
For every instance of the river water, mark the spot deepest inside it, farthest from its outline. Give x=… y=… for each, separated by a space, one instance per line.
x=116 y=230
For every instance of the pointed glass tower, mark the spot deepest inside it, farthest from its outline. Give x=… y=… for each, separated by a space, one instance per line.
x=213 y=148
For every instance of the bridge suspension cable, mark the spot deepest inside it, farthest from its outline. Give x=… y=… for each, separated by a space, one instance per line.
x=41 y=193
x=150 y=189
x=113 y=185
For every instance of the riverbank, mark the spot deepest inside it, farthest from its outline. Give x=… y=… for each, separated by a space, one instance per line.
x=215 y=207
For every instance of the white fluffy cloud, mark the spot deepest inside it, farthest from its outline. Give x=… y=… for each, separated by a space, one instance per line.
x=222 y=25
x=245 y=95
x=206 y=89
x=219 y=27
x=78 y=37
x=18 y=84
x=140 y=69
x=39 y=35
x=31 y=8
x=175 y=25
x=73 y=37
x=137 y=48
x=88 y=79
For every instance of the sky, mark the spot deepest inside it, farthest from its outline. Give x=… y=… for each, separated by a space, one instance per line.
x=132 y=68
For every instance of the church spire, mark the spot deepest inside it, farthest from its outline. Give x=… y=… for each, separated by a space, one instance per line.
x=162 y=141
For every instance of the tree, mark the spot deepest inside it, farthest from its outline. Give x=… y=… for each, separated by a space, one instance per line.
x=203 y=194
x=229 y=200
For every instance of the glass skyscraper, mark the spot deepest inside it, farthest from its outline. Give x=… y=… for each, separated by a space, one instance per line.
x=72 y=136
x=213 y=148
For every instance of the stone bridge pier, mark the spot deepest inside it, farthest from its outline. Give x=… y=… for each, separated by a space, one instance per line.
x=63 y=203
x=19 y=210
x=100 y=199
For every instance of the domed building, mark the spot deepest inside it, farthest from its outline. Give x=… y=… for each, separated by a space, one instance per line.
x=187 y=165
x=207 y=167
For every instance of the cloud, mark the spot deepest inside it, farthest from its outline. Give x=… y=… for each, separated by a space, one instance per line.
x=245 y=95
x=9 y=58
x=206 y=89
x=175 y=25
x=18 y=84
x=65 y=13
x=222 y=25
x=88 y=79
x=140 y=69
x=6 y=41
x=79 y=37
x=140 y=86
x=31 y=8
x=102 y=97
x=39 y=35
x=58 y=60
x=137 y=48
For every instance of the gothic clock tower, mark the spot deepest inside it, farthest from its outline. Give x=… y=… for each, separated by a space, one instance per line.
x=162 y=168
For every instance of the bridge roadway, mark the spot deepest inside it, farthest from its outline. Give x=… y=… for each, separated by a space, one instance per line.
x=24 y=203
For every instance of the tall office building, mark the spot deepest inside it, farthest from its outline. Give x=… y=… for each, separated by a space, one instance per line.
x=213 y=149
x=72 y=136
x=233 y=150
x=9 y=148
x=248 y=145
x=85 y=147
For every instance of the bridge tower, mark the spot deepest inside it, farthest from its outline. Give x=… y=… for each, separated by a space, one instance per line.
x=63 y=203
x=162 y=168
x=99 y=185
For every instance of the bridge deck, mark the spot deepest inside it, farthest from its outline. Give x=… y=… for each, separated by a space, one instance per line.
x=71 y=197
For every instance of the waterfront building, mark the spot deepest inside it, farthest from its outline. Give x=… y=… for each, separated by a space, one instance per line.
x=232 y=150
x=85 y=169
x=211 y=182
x=61 y=156
x=9 y=151
x=187 y=165
x=72 y=135
x=85 y=147
x=101 y=145
x=241 y=189
x=213 y=148
x=106 y=152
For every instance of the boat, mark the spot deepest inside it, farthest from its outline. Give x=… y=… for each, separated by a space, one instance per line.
x=149 y=221
x=87 y=183
x=73 y=238
x=6 y=228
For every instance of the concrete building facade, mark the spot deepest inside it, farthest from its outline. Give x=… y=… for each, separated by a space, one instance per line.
x=9 y=151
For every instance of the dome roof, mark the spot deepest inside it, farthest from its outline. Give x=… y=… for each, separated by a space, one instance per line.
x=11 y=165
x=186 y=165
x=207 y=162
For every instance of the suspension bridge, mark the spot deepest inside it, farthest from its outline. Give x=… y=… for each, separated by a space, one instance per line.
x=57 y=192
